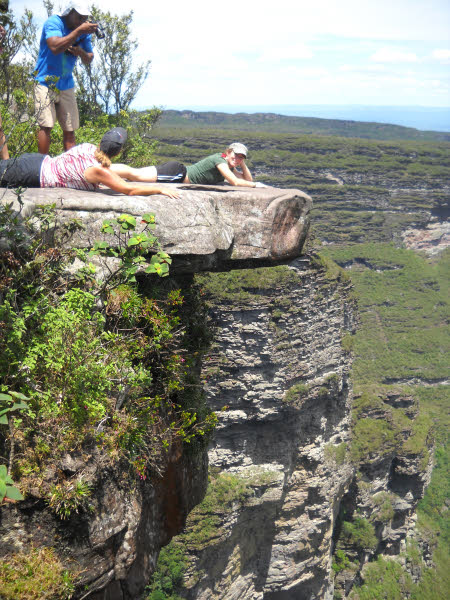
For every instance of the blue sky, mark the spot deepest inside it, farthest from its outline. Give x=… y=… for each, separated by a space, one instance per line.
x=394 y=52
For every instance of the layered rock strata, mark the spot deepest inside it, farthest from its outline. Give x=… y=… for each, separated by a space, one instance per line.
x=283 y=472
x=279 y=367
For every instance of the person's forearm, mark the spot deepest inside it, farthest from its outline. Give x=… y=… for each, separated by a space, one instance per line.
x=246 y=172
x=144 y=190
x=58 y=45
x=86 y=57
x=242 y=182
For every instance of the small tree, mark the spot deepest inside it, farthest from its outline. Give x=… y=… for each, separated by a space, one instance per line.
x=111 y=82
x=17 y=60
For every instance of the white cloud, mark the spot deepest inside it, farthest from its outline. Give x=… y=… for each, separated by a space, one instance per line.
x=362 y=68
x=441 y=55
x=391 y=55
x=298 y=52
x=287 y=52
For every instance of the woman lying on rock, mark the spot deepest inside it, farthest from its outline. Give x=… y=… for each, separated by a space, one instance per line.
x=229 y=166
x=83 y=167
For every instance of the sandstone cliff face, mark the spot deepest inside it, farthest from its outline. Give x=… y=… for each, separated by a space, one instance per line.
x=279 y=366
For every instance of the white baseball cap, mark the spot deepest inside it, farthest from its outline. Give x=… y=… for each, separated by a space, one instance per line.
x=238 y=148
x=82 y=9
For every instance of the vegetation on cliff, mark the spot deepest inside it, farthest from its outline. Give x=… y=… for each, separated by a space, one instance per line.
x=102 y=364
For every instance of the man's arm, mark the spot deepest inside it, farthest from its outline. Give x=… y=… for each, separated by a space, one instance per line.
x=231 y=177
x=99 y=175
x=60 y=44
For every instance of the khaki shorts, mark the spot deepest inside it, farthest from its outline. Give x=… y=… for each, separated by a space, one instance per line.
x=55 y=104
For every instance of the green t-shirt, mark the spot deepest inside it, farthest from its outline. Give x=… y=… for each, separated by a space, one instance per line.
x=205 y=171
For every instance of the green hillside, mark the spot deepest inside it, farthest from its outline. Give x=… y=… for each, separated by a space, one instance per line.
x=273 y=123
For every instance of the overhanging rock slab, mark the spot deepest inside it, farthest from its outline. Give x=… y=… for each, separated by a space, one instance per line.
x=207 y=228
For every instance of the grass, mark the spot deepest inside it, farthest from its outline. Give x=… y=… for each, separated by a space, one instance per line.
x=399 y=283
x=245 y=284
x=35 y=575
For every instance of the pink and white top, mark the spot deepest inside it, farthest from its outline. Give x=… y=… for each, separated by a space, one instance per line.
x=67 y=169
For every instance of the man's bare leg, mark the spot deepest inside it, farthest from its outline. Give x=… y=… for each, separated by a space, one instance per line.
x=4 y=154
x=44 y=140
x=69 y=139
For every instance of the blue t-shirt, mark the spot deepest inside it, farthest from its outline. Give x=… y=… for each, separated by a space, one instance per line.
x=59 y=65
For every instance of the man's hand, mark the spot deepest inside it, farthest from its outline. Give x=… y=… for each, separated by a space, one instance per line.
x=86 y=57
x=86 y=27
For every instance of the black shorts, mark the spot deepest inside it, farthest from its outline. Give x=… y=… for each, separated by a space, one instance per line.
x=171 y=172
x=23 y=171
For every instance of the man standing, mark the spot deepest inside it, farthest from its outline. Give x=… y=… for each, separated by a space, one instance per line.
x=64 y=38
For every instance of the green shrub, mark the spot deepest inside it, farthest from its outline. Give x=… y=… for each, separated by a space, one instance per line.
x=347 y=342
x=340 y=562
x=371 y=439
x=384 y=505
x=168 y=576
x=295 y=395
x=360 y=533
x=383 y=580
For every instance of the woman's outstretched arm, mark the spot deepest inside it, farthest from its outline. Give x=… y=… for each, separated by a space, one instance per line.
x=101 y=175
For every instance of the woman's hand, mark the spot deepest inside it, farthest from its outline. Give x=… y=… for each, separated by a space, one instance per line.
x=166 y=191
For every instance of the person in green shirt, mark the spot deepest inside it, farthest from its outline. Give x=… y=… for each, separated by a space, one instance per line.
x=229 y=166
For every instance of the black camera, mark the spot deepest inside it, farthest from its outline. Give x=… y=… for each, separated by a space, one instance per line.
x=99 y=32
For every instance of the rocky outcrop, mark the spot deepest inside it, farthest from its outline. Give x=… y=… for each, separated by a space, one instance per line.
x=392 y=478
x=432 y=239
x=111 y=547
x=112 y=542
x=208 y=227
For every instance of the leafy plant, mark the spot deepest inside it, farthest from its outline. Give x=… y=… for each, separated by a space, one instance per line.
x=9 y=403
x=168 y=576
x=340 y=562
x=130 y=248
x=360 y=533
x=7 y=487
x=69 y=497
